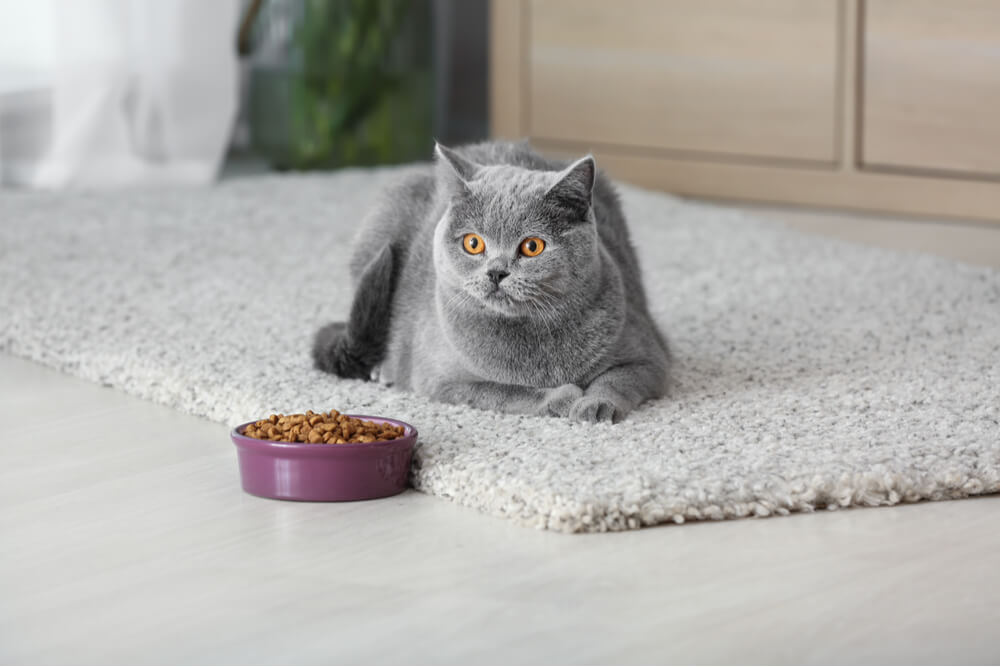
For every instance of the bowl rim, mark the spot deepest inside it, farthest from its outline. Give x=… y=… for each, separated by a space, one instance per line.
x=409 y=437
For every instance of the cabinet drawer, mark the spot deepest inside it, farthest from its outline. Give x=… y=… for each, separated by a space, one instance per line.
x=932 y=86
x=754 y=78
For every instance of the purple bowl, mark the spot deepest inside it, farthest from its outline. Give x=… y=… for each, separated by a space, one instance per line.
x=321 y=472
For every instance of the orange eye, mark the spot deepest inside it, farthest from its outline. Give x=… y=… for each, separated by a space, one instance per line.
x=532 y=247
x=473 y=244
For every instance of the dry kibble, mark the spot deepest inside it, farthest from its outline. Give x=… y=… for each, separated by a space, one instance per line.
x=330 y=427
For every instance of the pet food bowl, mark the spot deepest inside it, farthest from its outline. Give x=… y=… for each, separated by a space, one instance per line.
x=323 y=472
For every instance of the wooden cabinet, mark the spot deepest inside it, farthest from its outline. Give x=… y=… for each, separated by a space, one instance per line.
x=889 y=105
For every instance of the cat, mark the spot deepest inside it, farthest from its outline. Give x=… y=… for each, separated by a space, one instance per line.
x=502 y=280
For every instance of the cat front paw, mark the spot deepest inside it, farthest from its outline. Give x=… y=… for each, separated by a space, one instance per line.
x=594 y=409
x=559 y=400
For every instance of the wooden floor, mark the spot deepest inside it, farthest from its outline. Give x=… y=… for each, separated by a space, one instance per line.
x=125 y=538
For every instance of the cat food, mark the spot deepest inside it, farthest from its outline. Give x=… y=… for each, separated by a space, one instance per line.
x=330 y=427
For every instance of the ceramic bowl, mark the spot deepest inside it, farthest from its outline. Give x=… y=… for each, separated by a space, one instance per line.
x=322 y=472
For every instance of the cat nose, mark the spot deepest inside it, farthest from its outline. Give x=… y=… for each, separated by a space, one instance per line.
x=497 y=275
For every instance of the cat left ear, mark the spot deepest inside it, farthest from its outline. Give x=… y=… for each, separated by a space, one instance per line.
x=574 y=188
x=453 y=169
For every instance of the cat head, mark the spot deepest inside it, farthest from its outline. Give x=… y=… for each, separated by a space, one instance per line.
x=518 y=241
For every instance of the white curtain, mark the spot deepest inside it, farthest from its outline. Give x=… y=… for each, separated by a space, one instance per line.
x=116 y=92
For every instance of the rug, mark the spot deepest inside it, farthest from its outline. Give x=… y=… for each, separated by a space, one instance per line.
x=811 y=373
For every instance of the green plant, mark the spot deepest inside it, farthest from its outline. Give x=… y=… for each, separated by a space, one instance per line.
x=357 y=89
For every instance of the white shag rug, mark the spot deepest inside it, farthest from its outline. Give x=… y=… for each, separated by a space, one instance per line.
x=810 y=372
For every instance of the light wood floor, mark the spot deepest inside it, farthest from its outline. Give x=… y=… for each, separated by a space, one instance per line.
x=125 y=538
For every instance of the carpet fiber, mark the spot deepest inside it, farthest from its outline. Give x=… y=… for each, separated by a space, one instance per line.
x=810 y=372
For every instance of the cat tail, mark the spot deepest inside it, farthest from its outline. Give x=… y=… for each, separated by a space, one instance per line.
x=352 y=349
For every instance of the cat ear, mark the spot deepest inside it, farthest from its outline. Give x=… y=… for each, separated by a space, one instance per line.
x=574 y=188
x=453 y=169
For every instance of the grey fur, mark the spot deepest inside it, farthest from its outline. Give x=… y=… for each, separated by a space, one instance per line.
x=566 y=333
x=353 y=348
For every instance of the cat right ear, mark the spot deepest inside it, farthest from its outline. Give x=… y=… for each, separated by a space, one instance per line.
x=453 y=170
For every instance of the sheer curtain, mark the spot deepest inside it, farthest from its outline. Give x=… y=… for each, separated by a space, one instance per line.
x=107 y=93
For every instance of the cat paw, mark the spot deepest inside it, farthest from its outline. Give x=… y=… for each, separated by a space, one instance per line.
x=594 y=409
x=558 y=401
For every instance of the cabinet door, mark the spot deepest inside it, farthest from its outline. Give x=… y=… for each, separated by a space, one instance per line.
x=732 y=77
x=931 y=97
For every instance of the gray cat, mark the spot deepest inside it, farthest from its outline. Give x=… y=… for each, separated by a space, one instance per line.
x=505 y=281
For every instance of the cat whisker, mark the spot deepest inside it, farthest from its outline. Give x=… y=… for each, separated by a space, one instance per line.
x=539 y=305
x=542 y=317
x=551 y=304
x=458 y=299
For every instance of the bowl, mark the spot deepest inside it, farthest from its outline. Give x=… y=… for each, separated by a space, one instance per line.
x=322 y=472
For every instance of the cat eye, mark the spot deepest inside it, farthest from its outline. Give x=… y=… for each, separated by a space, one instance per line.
x=473 y=244
x=532 y=246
